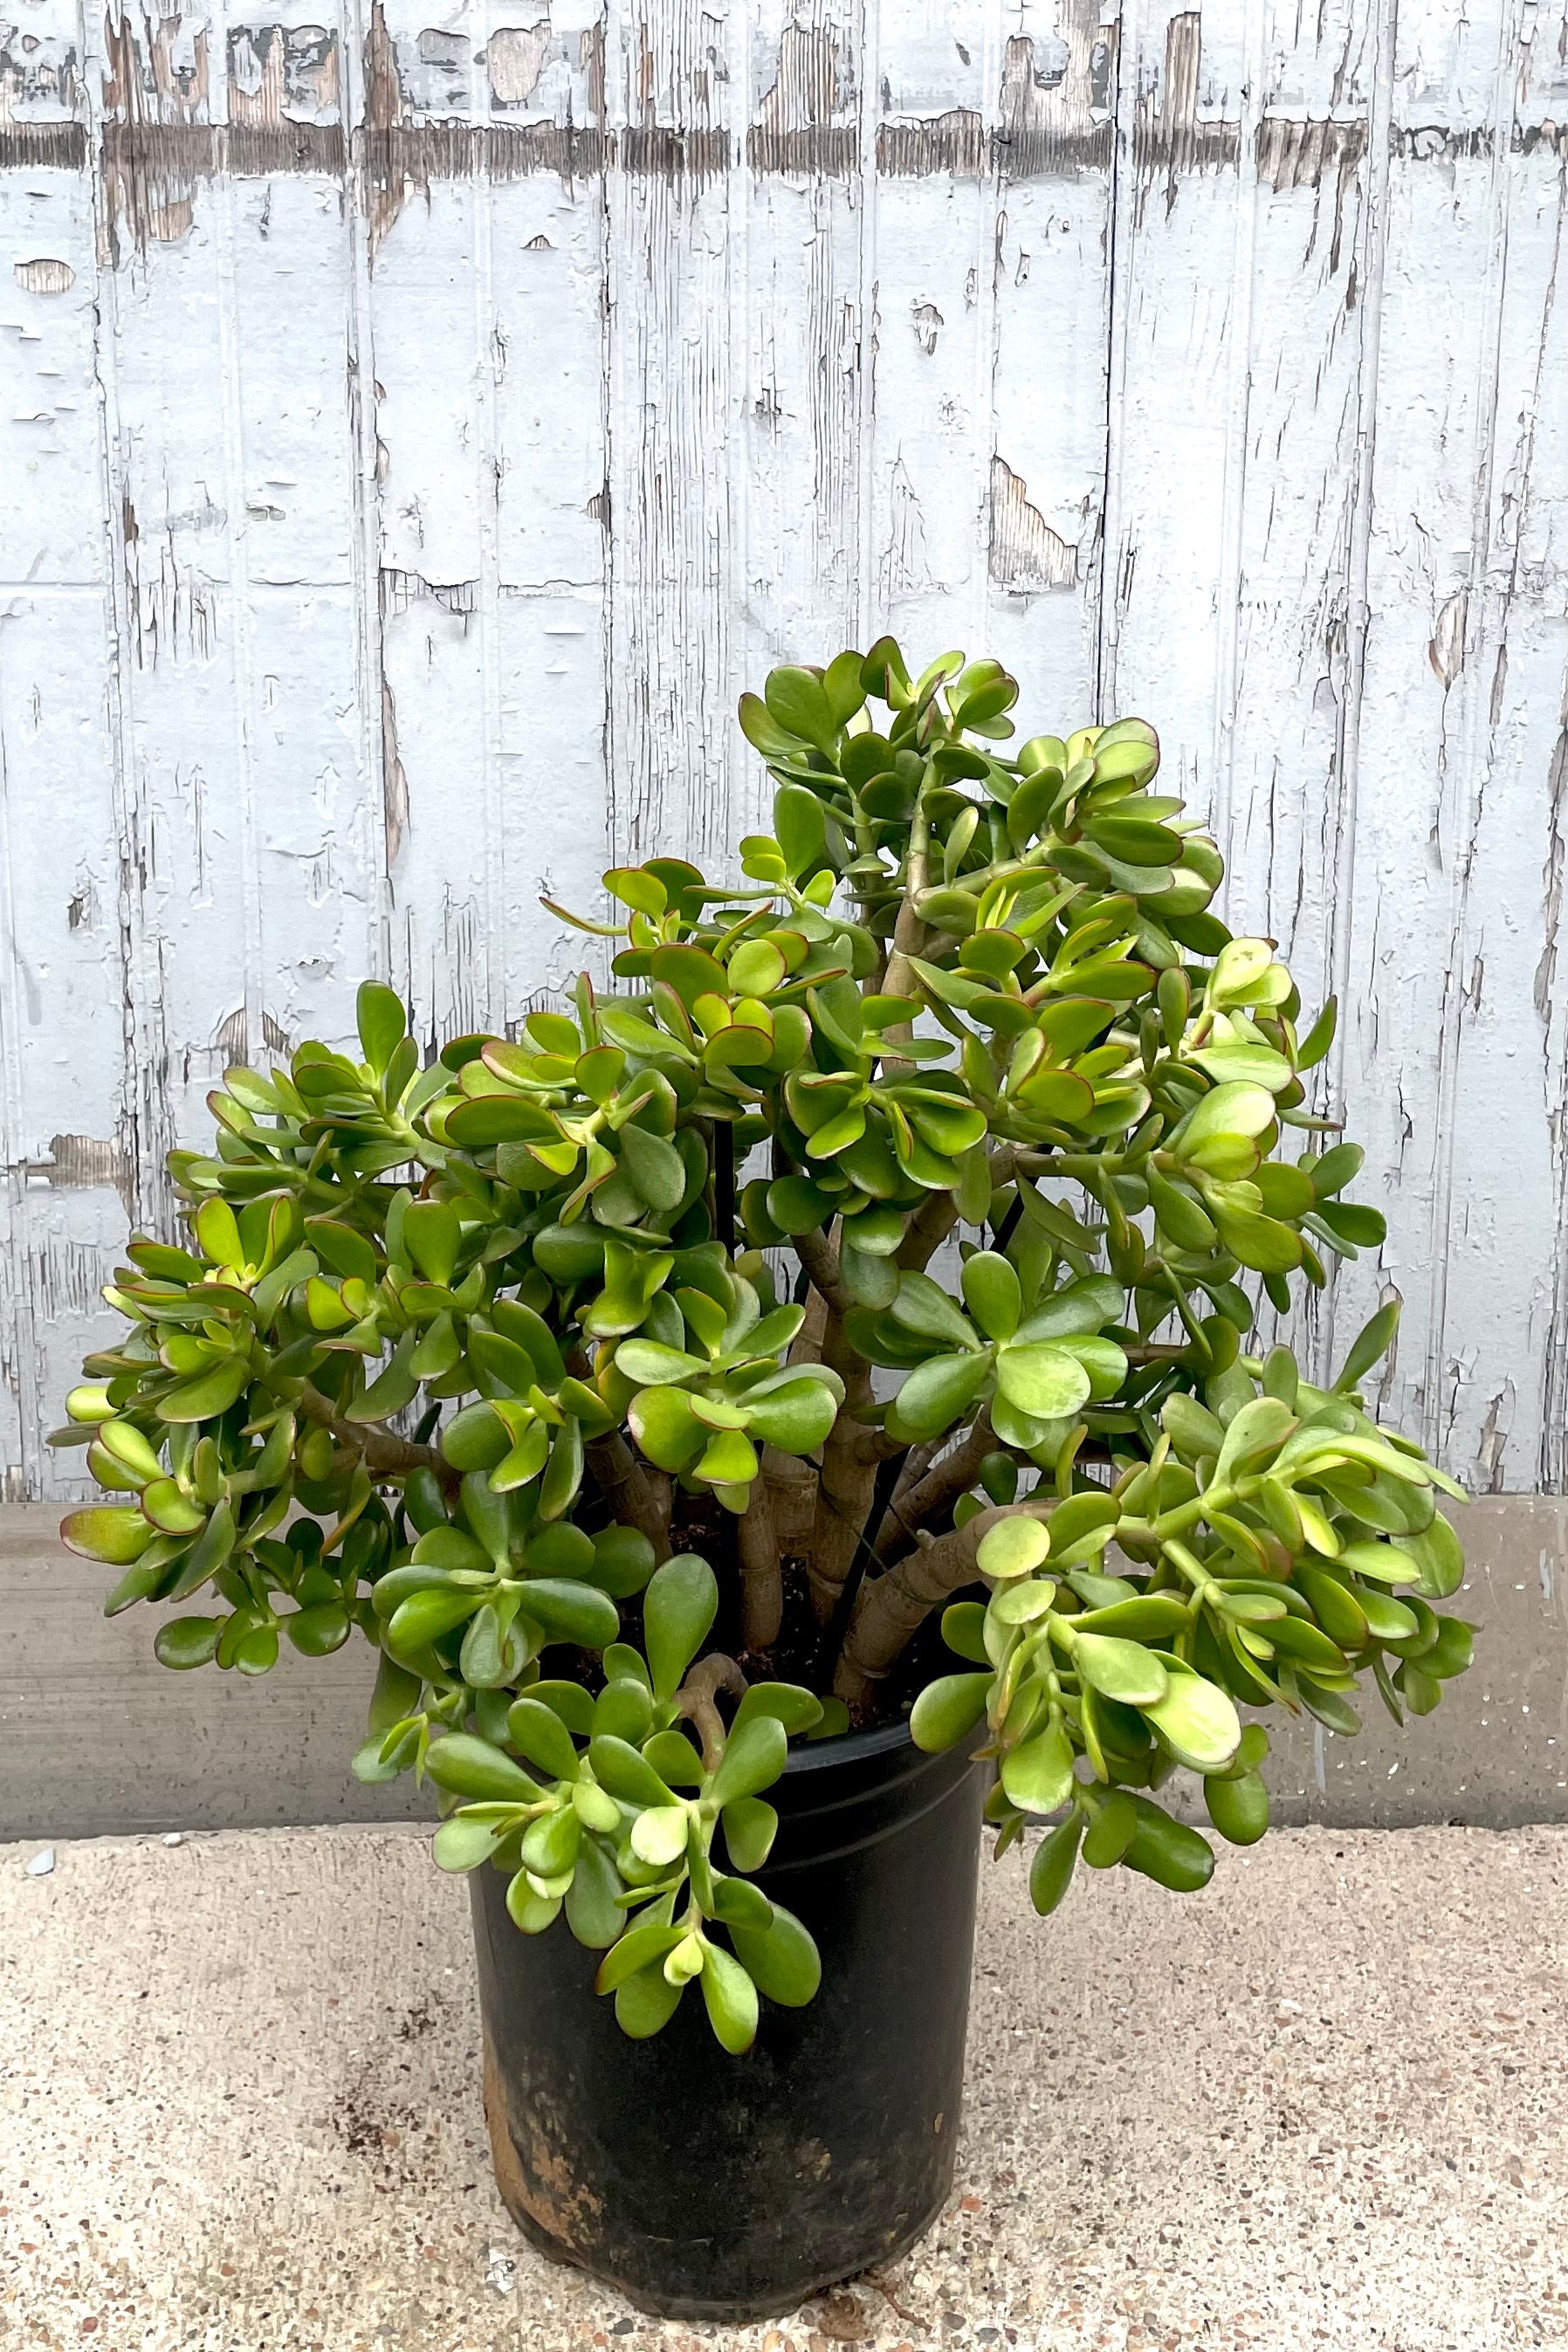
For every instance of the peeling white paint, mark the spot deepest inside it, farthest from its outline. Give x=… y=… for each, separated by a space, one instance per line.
x=415 y=432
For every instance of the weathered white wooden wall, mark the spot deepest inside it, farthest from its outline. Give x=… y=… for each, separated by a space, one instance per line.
x=416 y=428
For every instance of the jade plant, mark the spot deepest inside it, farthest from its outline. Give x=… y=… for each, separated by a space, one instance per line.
x=850 y=1311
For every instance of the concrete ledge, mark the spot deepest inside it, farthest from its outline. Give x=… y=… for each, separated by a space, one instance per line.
x=96 y=1738
x=1320 y=2107
x=1496 y=1751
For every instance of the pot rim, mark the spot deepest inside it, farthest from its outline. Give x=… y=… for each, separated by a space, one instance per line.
x=849 y=1748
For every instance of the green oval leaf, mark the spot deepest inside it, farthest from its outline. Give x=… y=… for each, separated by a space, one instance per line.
x=948 y=1709
x=462 y=1844
x=1120 y=1670
x=678 y=1609
x=1041 y=1379
x=188 y=1642
x=937 y=1392
x=208 y=1394
x=537 y=1732
x=621 y=1769
x=1051 y=1872
x=798 y=701
x=782 y=1960
x=1013 y=1546
x=754 y=1755
x=569 y=1611
x=1038 y=1774
x=1196 y=1720
x=382 y=1022
x=750 y=1824
x=1238 y=1808
x=471 y=1767
x=1168 y=1852
x=731 y=1999
x=991 y=1294
x=115 y=1533
x=592 y=1912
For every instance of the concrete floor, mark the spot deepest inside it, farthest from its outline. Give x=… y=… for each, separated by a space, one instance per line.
x=1325 y=2103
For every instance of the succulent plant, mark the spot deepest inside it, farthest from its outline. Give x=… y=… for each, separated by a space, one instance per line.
x=888 y=1242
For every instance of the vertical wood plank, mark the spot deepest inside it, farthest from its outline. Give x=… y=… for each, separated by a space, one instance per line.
x=1286 y=742
x=1415 y=974
x=552 y=523
x=1491 y=710
x=67 y=1186
x=1050 y=271
x=485 y=300
x=928 y=460
x=802 y=219
x=233 y=476
x=1242 y=354
x=425 y=303
x=674 y=112
x=67 y=1148
x=1179 y=346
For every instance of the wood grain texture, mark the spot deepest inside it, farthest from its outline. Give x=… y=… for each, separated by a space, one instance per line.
x=416 y=428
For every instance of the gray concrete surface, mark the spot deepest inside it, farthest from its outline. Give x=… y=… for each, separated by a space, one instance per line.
x=97 y=1739
x=1323 y=2104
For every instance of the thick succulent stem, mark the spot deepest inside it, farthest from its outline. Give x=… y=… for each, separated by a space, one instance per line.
x=911 y=937
x=695 y=1700
x=792 y=1499
x=848 y=1479
x=931 y=1500
x=875 y=1446
x=638 y=1497
x=820 y=1259
x=384 y=1453
x=926 y=1230
x=807 y=1347
x=892 y=1607
x=909 y=933
x=762 y=1576
x=938 y=1213
x=914 y=1465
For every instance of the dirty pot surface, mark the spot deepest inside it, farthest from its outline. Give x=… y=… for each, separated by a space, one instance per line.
x=708 y=2187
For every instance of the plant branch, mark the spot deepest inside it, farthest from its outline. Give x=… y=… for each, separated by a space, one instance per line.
x=695 y=1700
x=938 y=1213
x=762 y=1576
x=874 y=1444
x=807 y=1345
x=893 y=1607
x=383 y=1452
x=847 y=1481
x=820 y=1259
x=791 y=1498
x=862 y=1558
x=932 y=1499
x=909 y=932
x=638 y=1497
x=926 y=1230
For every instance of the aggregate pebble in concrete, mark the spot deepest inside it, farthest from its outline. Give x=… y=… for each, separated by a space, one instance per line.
x=1323 y=2104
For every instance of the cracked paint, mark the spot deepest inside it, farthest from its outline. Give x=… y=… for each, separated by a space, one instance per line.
x=443 y=420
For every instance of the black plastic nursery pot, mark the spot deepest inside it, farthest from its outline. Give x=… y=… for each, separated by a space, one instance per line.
x=709 y=2186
